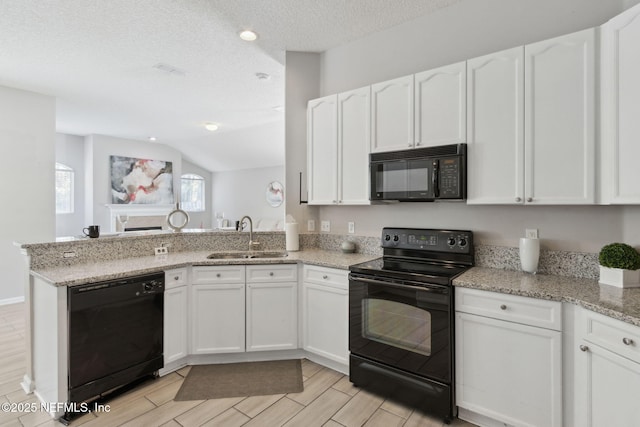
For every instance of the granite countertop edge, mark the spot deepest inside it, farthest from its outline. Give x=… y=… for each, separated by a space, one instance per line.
x=79 y=274
x=620 y=304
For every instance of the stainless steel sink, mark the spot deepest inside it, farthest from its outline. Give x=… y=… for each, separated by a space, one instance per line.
x=248 y=255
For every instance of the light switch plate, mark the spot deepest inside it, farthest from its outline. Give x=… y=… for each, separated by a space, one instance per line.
x=325 y=226
x=311 y=225
x=351 y=226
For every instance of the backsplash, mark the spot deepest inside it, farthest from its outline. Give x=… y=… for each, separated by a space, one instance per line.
x=46 y=255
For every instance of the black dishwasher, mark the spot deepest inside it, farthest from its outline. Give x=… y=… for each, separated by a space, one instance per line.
x=115 y=334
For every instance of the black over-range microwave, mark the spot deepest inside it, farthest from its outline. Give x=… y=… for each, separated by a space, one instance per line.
x=420 y=175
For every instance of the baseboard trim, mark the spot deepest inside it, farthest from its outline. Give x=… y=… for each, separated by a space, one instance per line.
x=8 y=301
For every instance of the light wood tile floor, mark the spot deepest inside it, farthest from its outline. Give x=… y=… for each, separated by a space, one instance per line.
x=328 y=399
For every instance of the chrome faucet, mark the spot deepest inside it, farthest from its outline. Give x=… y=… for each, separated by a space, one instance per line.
x=252 y=245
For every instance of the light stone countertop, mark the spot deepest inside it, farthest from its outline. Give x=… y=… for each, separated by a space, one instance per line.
x=116 y=269
x=621 y=304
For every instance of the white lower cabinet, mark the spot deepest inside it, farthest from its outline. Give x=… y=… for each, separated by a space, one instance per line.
x=325 y=313
x=508 y=359
x=176 y=303
x=271 y=304
x=237 y=308
x=218 y=309
x=606 y=358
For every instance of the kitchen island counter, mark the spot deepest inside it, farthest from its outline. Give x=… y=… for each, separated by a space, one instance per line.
x=621 y=304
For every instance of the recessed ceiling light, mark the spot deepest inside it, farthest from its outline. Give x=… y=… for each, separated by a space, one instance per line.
x=152 y=139
x=211 y=126
x=248 y=35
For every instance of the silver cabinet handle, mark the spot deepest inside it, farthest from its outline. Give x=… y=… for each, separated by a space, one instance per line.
x=325 y=277
x=584 y=348
x=529 y=199
x=503 y=307
x=176 y=278
x=218 y=275
x=627 y=341
x=518 y=199
x=271 y=273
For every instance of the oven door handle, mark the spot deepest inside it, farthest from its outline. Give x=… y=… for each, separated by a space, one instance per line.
x=421 y=287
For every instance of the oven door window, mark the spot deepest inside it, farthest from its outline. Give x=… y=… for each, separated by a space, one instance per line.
x=398 y=325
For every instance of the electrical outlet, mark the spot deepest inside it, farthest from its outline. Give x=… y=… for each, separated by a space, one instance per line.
x=531 y=233
x=161 y=250
x=311 y=225
x=351 y=226
x=325 y=226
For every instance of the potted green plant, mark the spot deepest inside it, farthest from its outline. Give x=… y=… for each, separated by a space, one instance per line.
x=619 y=265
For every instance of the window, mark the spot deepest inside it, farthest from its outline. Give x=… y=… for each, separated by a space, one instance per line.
x=64 y=189
x=192 y=193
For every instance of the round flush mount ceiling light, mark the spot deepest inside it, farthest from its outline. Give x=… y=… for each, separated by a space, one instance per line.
x=211 y=126
x=263 y=76
x=248 y=35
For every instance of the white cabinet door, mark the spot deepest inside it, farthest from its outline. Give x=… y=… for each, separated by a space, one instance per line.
x=620 y=108
x=392 y=115
x=218 y=315
x=322 y=151
x=354 y=130
x=176 y=331
x=608 y=388
x=325 y=313
x=440 y=106
x=495 y=128
x=560 y=120
x=272 y=316
x=508 y=371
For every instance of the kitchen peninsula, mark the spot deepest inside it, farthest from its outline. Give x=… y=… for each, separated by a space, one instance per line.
x=591 y=316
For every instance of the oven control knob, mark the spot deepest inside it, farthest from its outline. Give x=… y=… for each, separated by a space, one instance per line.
x=462 y=242
x=148 y=286
x=387 y=237
x=396 y=238
x=451 y=241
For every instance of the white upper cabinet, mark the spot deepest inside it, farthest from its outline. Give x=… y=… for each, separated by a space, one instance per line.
x=322 y=146
x=620 y=86
x=440 y=106
x=560 y=120
x=495 y=128
x=392 y=115
x=338 y=143
x=354 y=130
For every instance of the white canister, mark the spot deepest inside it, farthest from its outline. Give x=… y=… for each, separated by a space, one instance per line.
x=292 y=242
x=529 y=254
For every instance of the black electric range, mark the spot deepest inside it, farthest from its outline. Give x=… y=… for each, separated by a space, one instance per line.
x=401 y=317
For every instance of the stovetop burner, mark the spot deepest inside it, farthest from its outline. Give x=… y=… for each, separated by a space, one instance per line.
x=421 y=255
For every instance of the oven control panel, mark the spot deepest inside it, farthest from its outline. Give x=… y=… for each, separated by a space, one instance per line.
x=448 y=241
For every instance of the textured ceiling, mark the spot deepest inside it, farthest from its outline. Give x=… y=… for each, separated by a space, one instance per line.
x=97 y=58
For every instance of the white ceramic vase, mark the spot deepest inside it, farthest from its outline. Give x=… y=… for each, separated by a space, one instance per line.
x=529 y=254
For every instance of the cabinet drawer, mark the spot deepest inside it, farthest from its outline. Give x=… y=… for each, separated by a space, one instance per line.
x=272 y=273
x=326 y=276
x=512 y=308
x=614 y=335
x=174 y=278
x=218 y=274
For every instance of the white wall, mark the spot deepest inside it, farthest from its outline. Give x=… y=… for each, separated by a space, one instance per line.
x=302 y=83
x=70 y=151
x=200 y=219
x=465 y=30
x=98 y=149
x=27 y=147
x=243 y=192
